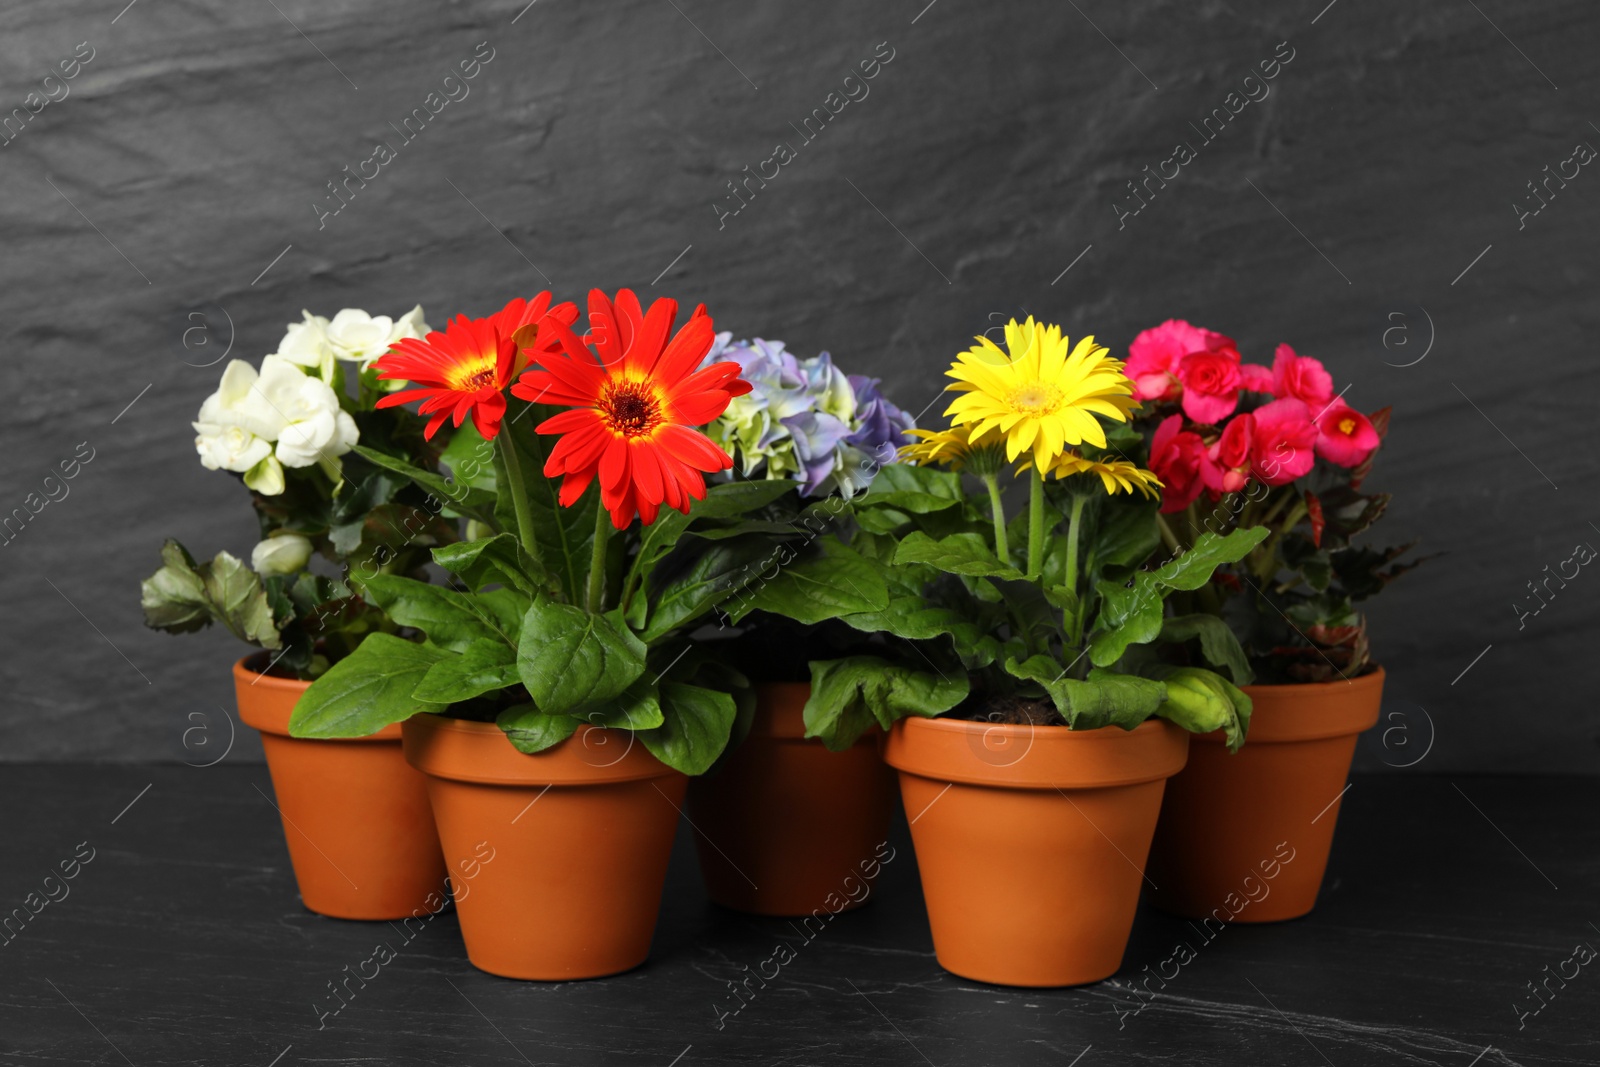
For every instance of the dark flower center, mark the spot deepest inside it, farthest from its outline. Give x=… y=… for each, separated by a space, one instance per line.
x=631 y=408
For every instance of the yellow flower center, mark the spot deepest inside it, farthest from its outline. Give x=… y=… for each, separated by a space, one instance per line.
x=1347 y=426
x=472 y=376
x=1035 y=398
x=631 y=408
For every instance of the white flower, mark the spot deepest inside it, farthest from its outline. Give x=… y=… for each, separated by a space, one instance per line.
x=411 y=324
x=265 y=477
x=306 y=343
x=229 y=448
x=314 y=427
x=279 y=555
x=236 y=425
x=361 y=338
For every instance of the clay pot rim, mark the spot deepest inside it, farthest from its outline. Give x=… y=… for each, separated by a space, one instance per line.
x=1342 y=708
x=268 y=716
x=464 y=750
x=1073 y=759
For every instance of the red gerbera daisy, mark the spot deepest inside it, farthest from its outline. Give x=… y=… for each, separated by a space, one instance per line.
x=634 y=407
x=466 y=368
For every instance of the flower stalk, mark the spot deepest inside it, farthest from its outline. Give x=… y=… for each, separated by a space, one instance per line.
x=1036 y=525
x=997 y=508
x=518 y=492
x=597 y=562
x=1073 y=526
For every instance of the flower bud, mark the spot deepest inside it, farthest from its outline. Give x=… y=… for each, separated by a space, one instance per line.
x=280 y=555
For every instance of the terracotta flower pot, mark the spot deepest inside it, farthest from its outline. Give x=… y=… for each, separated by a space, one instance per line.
x=577 y=839
x=1031 y=841
x=1245 y=837
x=355 y=816
x=785 y=827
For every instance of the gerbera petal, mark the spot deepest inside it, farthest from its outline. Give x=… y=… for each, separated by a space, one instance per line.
x=685 y=351
x=573 y=485
x=614 y=463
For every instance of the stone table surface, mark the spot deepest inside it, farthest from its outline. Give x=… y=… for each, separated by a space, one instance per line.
x=183 y=942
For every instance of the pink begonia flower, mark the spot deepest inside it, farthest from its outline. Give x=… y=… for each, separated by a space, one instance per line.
x=1154 y=356
x=1176 y=456
x=1226 y=466
x=1256 y=378
x=1283 y=445
x=1302 y=378
x=1345 y=436
x=1211 y=382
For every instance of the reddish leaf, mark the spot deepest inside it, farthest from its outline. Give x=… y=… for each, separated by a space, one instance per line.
x=1314 y=511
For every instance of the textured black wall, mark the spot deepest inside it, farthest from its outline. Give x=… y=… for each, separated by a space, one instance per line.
x=1372 y=190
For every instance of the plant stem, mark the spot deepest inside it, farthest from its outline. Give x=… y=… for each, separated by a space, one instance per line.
x=1168 y=538
x=597 y=562
x=519 y=495
x=1036 y=525
x=1073 y=525
x=997 y=508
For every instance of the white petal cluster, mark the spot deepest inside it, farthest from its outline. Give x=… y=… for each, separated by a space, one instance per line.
x=257 y=423
x=287 y=414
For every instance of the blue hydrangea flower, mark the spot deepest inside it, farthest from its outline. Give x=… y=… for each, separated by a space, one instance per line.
x=805 y=419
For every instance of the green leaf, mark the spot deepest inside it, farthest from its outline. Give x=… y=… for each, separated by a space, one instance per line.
x=450 y=619
x=697 y=722
x=570 y=659
x=174 y=597
x=1126 y=535
x=638 y=708
x=367 y=690
x=1194 y=568
x=822 y=585
x=705 y=576
x=492 y=559
x=724 y=500
x=236 y=596
x=1105 y=699
x=563 y=535
x=913 y=618
x=918 y=490
x=963 y=553
x=1201 y=701
x=482 y=667
x=1217 y=643
x=1129 y=615
x=470 y=458
x=849 y=696
x=470 y=501
x=531 y=730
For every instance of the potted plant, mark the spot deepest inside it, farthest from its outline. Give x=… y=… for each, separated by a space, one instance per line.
x=1277 y=451
x=355 y=816
x=783 y=825
x=1031 y=722
x=555 y=701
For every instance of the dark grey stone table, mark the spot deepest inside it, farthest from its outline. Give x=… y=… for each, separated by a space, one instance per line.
x=182 y=942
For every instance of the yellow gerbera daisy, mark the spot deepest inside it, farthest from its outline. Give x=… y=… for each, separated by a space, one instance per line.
x=1039 y=396
x=1118 y=475
x=954 y=448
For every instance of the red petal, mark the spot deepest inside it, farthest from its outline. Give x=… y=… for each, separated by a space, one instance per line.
x=573 y=485
x=614 y=464
x=685 y=351
x=693 y=448
x=647 y=472
x=604 y=333
x=645 y=350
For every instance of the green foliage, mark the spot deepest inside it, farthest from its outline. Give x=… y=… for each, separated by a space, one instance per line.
x=367 y=690
x=571 y=660
x=184 y=596
x=850 y=696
